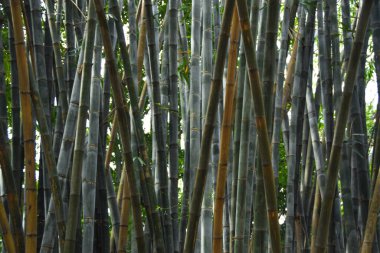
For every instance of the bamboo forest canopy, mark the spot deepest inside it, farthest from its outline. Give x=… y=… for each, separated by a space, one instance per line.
x=189 y=126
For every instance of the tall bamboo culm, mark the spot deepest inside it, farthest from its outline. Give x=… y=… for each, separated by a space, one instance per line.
x=26 y=108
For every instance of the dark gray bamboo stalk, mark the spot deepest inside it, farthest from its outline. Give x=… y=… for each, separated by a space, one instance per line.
x=269 y=68
x=49 y=155
x=173 y=120
x=124 y=124
x=148 y=179
x=79 y=149
x=263 y=140
x=326 y=208
x=89 y=172
x=201 y=176
x=54 y=31
x=295 y=126
x=16 y=160
x=279 y=87
x=64 y=159
x=159 y=130
x=70 y=41
x=206 y=213
x=243 y=171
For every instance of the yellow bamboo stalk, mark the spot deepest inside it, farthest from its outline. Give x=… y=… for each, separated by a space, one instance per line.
x=111 y=143
x=290 y=75
x=6 y=231
x=124 y=217
x=225 y=135
x=315 y=217
x=26 y=109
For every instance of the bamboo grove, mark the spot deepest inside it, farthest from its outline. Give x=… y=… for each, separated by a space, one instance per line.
x=189 y=126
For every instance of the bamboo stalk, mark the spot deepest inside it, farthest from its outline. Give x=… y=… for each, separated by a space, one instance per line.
x=225 y=135
x=30 y=180
x=208 y=128
x=263 y=138
x=49 y=156
x=123 y=123
x=124 y=215
x=89 y=172
x=54 y=31
x=79 y=150
x=333 y=165
x=6 y=231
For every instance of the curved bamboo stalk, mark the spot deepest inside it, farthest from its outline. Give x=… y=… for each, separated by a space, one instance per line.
x=333 y=165
x=225 y=136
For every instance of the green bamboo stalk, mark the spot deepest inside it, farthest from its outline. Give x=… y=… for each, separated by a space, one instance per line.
x=64 y=159
x=280 y=83
x=269 y=68
x=11 y=192
x=243 y=171
x=195 y=93
x=159 y=130
x=325 y=76
x=54 y=31
x=147 y=180
x=173 y=119
x=326 y=207
x=349 y=222
x=49 y=155
x=89 y=172
x=15 y=104
x=79 y=150
x=208 y=128
x=236 y=138
x=102 y=223
x=124 y=124
x=263 y=140
x=70 y=57
x=111 y=196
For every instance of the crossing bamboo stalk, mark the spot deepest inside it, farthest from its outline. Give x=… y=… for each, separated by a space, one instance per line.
x=263 y=138
x=201 y=174
x=326 y=207
x=225 y=136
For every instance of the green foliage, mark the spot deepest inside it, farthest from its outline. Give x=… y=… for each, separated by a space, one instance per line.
x=282 y=179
